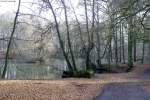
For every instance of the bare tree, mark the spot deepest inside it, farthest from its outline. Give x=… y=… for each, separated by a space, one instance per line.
x=10 y=41
x=98 y=37
x=68 y=36
x=59 y=36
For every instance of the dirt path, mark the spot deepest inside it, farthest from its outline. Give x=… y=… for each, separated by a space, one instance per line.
x=127 y=91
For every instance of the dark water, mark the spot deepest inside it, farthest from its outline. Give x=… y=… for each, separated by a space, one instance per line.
x=19 y=70
x=52 y=69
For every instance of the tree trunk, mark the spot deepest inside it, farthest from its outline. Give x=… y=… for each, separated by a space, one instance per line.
x=143 y=52
x=98 y=39
x=134 y=46
x=130 y=42
x=89 y=41
x=116 y=45
x=143 y=49
x=120 y=50
x=123 y=53
x=93 y=21
x=9 y=43
x=68 y=36
x=60 y=40
x=80 y=31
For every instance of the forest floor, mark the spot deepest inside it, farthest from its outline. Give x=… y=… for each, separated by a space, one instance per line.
x=76 y=89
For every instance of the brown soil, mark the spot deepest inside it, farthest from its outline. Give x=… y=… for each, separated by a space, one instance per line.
x=48 y=90
x=138 y=68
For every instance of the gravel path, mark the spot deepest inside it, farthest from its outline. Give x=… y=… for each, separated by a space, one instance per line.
x=123 y=91
x=145 y=74
x=126 y=91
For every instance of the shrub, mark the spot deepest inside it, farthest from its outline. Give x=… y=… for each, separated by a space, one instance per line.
x=78 y=74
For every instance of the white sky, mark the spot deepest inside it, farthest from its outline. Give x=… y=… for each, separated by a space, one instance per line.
x=6 y=7
x=10 y=7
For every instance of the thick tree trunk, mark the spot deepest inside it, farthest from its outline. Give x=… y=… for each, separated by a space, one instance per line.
x=109 y=53
x=123 y=49
x=143 y=52
x=116 y=45
x=143 y=49
x=134 y=46
x=120 y=48
x=111 y=30
x=130 y=44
